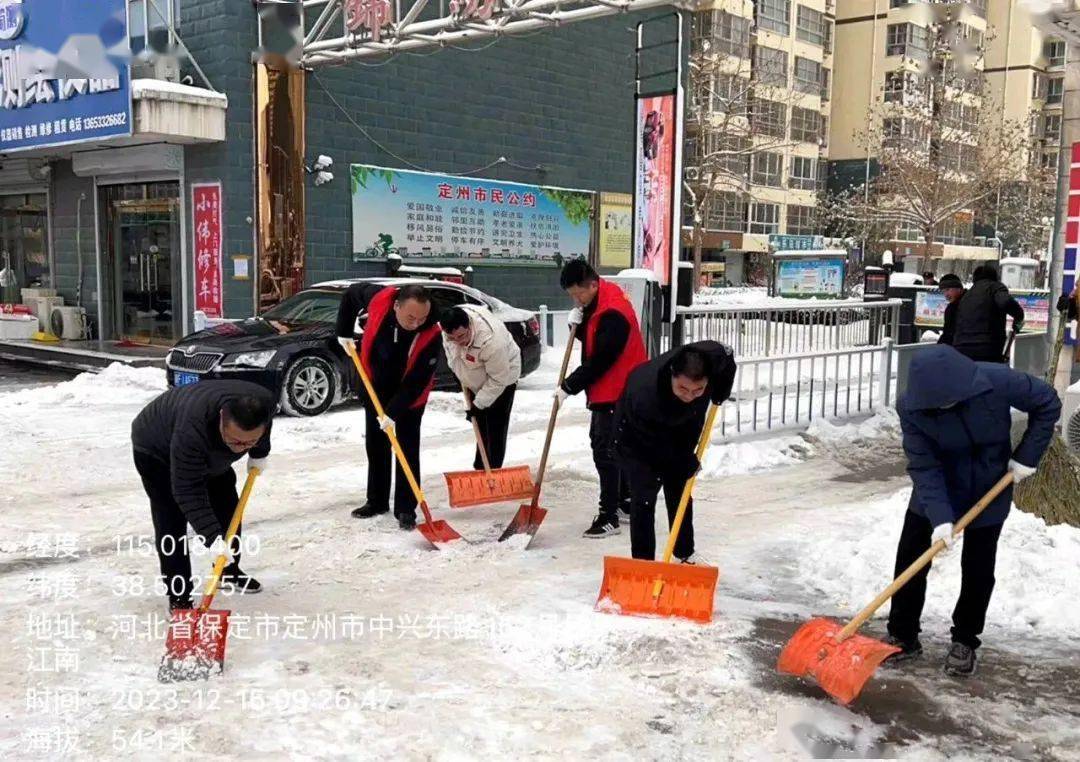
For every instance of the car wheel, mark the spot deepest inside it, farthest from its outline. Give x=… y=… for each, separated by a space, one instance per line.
x=310 y=387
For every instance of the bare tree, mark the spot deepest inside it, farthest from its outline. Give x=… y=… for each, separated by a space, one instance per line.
x=1022 y=212
x=739 y=108
x=942 y=145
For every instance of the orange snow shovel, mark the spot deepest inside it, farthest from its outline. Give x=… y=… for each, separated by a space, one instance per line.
x=530 y=515
x=469 y=488
x=838 y=658
x=434 y=532
x=195 y=641
x=661 y=588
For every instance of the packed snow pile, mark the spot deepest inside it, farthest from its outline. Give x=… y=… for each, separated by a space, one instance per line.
x=1036 y=567
x=884 y=424
x=118 y=384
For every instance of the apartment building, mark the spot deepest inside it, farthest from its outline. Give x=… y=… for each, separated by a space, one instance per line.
x=879 y=44
x=758 y=124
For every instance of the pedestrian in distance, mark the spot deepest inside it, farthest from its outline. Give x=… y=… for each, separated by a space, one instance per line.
x=487 y=361
x=611 y=347
x=185 y=443
x=659 y=419
x=953 y=289
x=928 y=279
x=980 y=317
x=399 y=351
x=956 y=423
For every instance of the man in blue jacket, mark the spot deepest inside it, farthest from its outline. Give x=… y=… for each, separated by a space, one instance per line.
x=956 y=423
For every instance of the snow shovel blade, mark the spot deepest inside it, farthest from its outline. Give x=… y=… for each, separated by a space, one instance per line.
x=630 y=585
x=527 y=520
x=438 y=532
x=841 y=669
x=469 y=488
x=194 y=645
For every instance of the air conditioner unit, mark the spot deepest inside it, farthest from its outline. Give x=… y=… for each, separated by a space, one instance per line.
x=1070 y=420
x=42 y=307
x=68 y=322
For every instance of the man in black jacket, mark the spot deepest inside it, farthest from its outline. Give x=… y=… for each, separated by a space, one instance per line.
x=953 y=289
x=980 y=317
x=399 y=352
x=658 y=422
x=185 y=443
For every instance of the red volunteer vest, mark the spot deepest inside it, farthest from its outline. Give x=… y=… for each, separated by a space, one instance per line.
x=608 y=388
x=378 y=310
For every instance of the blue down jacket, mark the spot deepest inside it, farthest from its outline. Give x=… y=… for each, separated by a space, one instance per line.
x=956 y=422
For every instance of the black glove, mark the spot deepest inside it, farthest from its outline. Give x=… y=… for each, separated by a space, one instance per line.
x=1018 y=326
x=470 y=413
x=687 y=465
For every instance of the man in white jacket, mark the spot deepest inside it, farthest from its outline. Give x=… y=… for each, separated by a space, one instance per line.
x=487 y=361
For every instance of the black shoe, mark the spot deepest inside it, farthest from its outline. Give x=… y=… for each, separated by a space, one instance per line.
x=368 y=511
x=602 y=526
x=624 y=510
x=238 y=581
x=406 y=522
x=909 y=649
x=960 y=661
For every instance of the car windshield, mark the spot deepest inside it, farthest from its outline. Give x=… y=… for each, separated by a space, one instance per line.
x=306 y=307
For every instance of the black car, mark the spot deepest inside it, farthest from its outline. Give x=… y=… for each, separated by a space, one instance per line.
x=292 y=350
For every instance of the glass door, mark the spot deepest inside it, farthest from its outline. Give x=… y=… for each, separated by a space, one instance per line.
x=145 y=240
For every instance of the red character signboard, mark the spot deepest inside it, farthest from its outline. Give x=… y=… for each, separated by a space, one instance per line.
x=206 y=215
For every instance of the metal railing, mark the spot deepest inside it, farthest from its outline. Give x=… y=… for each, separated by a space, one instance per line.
x=1029 y=354
x=776 y=393
x=789 y=330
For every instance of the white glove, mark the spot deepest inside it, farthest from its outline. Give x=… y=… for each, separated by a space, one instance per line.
x=560 y=394
x=943 y=532
x=259 y=463
x=386 y=422
x=575 y=316
x=347 y=343
x=1020 y=471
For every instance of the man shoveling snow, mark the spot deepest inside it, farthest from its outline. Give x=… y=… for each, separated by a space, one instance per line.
x=956 y=423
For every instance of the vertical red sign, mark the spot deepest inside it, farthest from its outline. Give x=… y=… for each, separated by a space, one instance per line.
x=654 y=212
x=206 y=216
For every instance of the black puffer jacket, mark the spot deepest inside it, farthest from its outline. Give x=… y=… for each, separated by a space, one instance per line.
x=653 y=427
x=980 y=320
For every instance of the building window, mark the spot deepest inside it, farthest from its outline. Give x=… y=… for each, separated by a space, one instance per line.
x=908 y=231
x=810 y=25
x=804 y=173
x=1054 y=50
x=720 y=32
x=728 y=154
x=771 y=66
x=1052 y=127
x=774 y=15
x=768 y=169
x=1055 y=90
x=905 y=39
x=802 y=220
x=807 y=76
x=898 y=3
x=805 y=125
x=769 y=118
x=1049 y=160
x=979 y=7
x=895 y=86
x=765 y=218
x=1038 y=86
x=24 y=242
x=727 y=211
x=824 y=84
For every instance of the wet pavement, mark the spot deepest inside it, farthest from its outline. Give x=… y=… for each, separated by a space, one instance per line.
x=17 y=375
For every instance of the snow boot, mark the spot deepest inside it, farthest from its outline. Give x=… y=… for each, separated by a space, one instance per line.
x=961 y=660
x=602 y=526
x=406 y=521
x=909 y=649
x=368 y=511
x=237 y=581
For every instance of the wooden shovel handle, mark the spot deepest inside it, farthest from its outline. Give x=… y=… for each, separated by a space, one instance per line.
x=551 y=419
x=402 y=460
x=234 y=527
x=923 y=560
x=476 y=433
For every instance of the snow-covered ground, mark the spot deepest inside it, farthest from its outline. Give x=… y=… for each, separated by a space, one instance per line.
x=365 y=644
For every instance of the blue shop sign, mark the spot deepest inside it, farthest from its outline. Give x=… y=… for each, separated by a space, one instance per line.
x=64 y=72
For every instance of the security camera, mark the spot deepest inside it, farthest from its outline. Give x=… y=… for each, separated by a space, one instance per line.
x=322 y=177
x=323 y=162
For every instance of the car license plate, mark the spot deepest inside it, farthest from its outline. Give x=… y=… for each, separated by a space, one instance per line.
x=183 y=379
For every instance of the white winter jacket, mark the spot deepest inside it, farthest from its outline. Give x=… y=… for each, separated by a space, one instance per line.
x=490 y=363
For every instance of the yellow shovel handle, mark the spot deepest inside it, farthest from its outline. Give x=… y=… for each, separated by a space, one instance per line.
x=402 y=460
x=234 y=527
x=476 y=433
x=684 y=501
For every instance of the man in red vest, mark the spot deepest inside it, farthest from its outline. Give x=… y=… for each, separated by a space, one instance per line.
x=611 y=347
x=399 y=351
